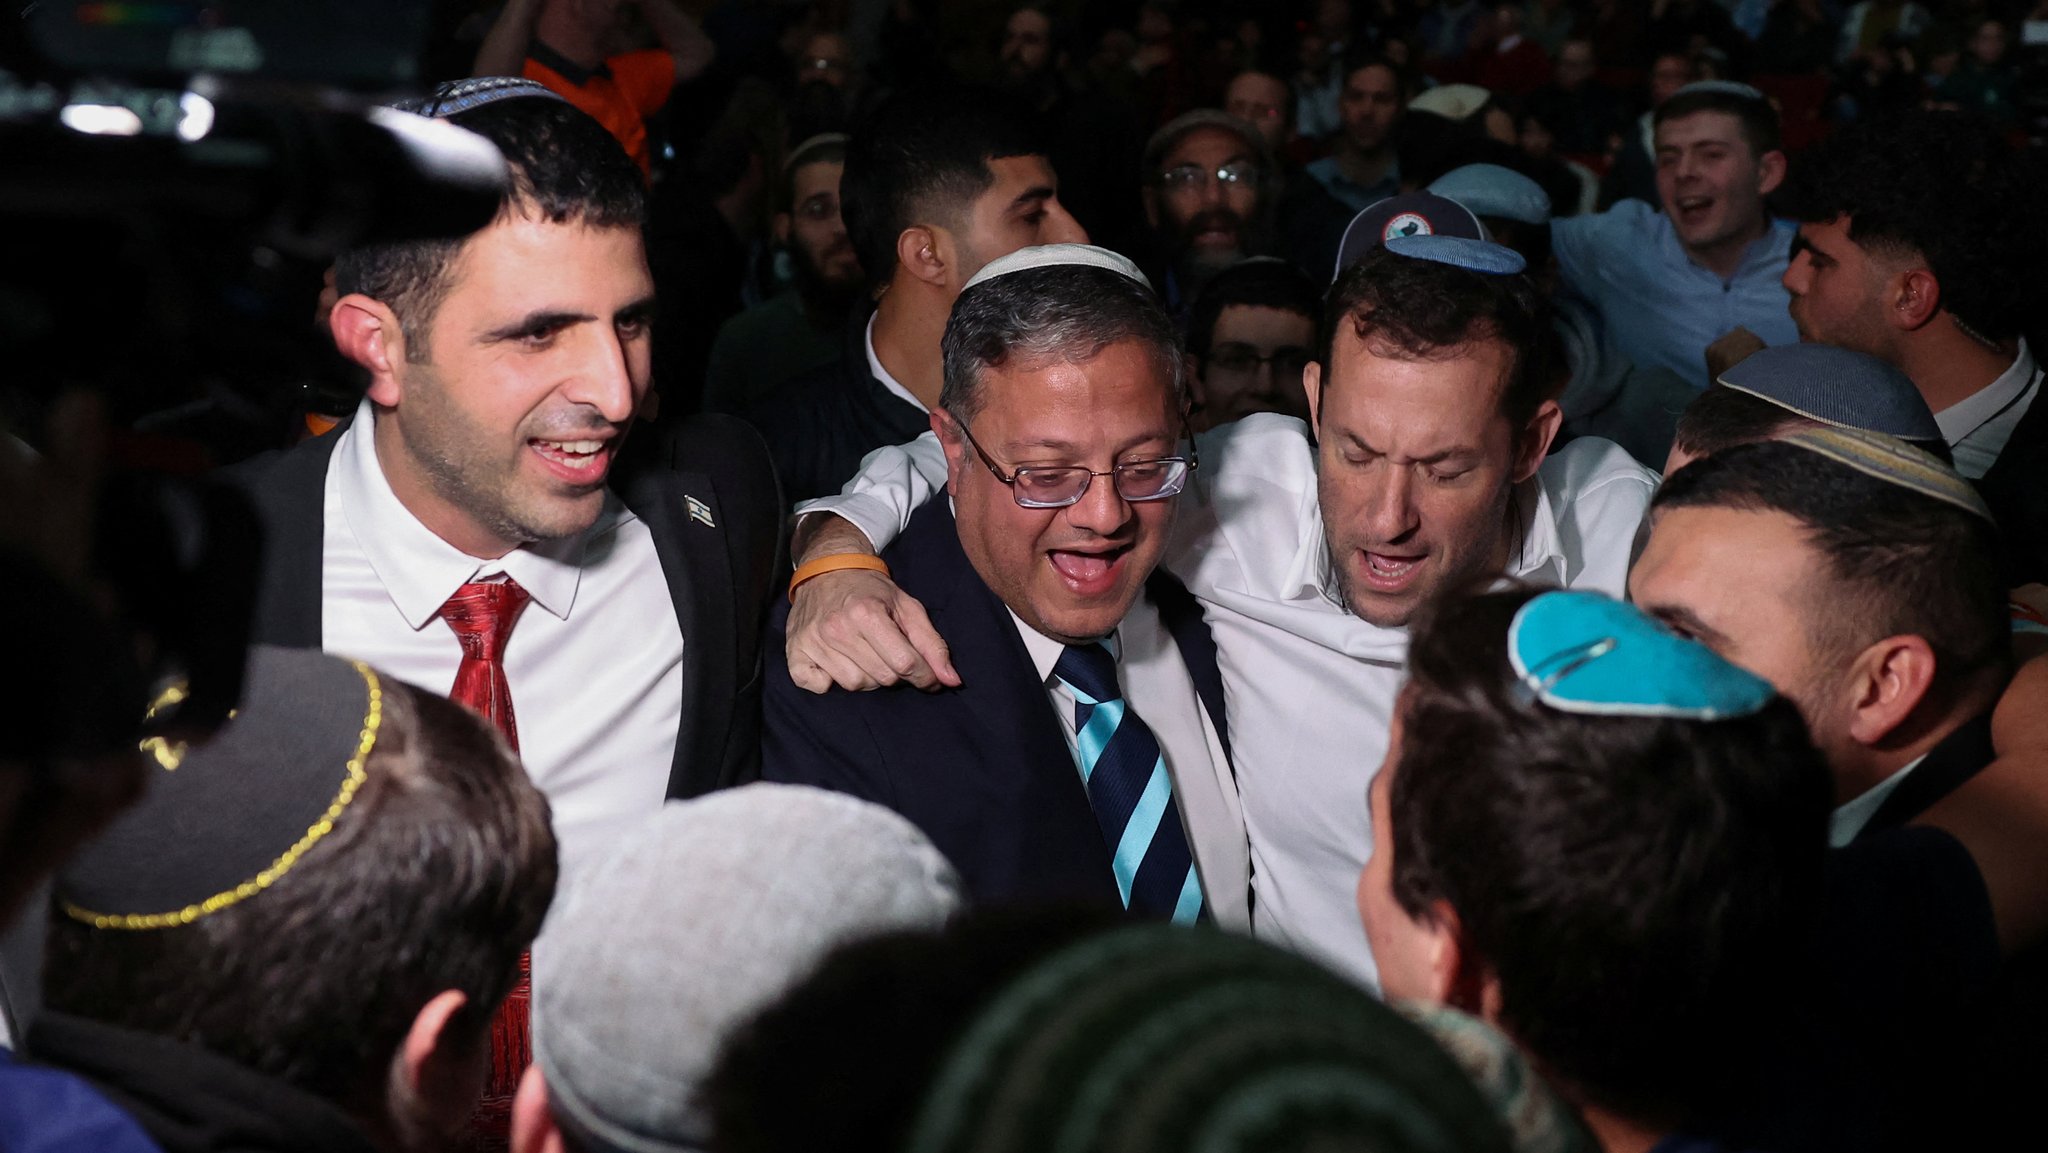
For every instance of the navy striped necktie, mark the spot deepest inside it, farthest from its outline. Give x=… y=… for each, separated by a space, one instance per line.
x=1130 y=790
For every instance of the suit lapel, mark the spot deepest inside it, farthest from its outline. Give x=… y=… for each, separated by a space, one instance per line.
x=289 y=492
x=1182 y=616
x=682 y=513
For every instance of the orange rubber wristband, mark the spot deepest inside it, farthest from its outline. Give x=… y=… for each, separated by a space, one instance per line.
x=834 y=563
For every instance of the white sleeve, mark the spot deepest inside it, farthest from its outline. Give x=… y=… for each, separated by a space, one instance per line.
x=893 y=482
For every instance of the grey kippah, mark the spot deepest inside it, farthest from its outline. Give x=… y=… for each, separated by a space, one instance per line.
x=1719 y=87
x=1460 y=252
x=1055 y=255
x=696 y=921
x=1170 y=133
x=1836 y=386
x=455 y=96
x=1492 y=190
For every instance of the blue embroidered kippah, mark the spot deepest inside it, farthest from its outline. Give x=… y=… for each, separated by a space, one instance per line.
x=1491 y=190
x=1836 y=386
x=1722 y=87
x=1460 y=252
x=1582 y=652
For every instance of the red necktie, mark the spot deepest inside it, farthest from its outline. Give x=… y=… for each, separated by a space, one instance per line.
x=482 y=614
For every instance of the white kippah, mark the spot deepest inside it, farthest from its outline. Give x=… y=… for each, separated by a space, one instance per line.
x=1053 y=255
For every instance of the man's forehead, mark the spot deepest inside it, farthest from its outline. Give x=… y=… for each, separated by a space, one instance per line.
x=817 y=175
x=1200 y=145
x=1697 y=541
x=1028 y=20
x=1703 y=127
x=1253 y=85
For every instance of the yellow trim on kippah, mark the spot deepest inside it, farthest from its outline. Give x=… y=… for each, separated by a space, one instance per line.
x=352 y=780
x=1893 y=461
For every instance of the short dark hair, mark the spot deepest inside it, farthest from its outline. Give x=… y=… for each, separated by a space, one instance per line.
x=1720 y=418
x=1258 y=283
x=1359 y=57
x=435 y=877
x=1632 y=882
x=1417 y=308
x=1942 y=186
x=1917 y=566
x=565 y=169
x=1065 y=312
x=841 y=1062
x=1759 y=120
x=922 y=156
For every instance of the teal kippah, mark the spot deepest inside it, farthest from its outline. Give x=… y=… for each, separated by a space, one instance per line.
x=1164 y=1039
x=1581 y=652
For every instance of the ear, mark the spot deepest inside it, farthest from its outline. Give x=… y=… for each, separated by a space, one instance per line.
x=367 y=332
x=1450 y=976
x=533 y=1123
x=1150 y=196
x=1198 y=395
x=1312 y=384
x=1915 y=298
x=431 y=1048
x=1534 y=442
x=1888 y=681
x=779 y=225
x=924 y=252
x=959 y=454
x=1770 y=172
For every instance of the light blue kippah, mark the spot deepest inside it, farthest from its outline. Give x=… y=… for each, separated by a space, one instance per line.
x=1491 y=190
x=1836 y=386
x=1582 y=652
x=1460 y=252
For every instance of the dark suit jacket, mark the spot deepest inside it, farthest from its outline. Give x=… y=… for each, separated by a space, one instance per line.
x=719 y=575
x=819 y=425
x=2016 y=488
x=983 y=769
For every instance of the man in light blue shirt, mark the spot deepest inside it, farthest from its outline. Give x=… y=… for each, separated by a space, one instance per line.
x=1668 y=284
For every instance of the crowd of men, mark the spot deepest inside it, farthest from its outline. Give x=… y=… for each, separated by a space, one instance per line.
x=1174 y=600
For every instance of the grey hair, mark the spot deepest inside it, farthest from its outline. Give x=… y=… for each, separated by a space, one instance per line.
x=1059 y=312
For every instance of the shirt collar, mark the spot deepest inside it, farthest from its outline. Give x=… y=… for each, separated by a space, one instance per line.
x=1851 y=816
x=881 y=374
x=418 y=569
x=1976 y=410
x=1046 y=652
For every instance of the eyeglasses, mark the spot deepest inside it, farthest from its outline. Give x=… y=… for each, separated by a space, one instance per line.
x=1236 y=174
x=1288 y=361
x=1137 y=481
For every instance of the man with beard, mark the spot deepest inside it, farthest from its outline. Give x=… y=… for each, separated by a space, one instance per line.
x=1205 y=198
x=798 y=329
x=1360 y=172
x=1433 y=400
x=1091 y=134
x=1667 y=285
x=938 y=182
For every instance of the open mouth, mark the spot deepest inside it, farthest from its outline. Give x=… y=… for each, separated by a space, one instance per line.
x=582 y=461
x=1390 y=572
x=1089 y=572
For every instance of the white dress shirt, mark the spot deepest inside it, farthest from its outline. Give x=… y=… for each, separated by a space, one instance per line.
x=1158 y=689
x=1977 y=426
x=882 y=374
x=1310 y=688
x=594 y=662
x=1849 y=817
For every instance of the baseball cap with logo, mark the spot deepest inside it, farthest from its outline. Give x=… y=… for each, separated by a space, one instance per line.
x=1409 y=214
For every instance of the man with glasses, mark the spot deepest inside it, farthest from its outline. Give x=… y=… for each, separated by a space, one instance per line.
x=1433 y=399
x=1085 y=758
x=799 y=329
x=1251 y=333
x=1207 y=174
